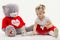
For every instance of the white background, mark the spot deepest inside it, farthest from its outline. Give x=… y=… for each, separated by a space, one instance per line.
x=27 y=12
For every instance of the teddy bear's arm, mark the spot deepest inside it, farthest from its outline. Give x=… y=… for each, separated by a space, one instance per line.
x=21 y=21
x=4 y=23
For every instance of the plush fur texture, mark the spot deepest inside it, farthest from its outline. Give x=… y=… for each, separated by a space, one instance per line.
x=10 y=8
x=16 y=22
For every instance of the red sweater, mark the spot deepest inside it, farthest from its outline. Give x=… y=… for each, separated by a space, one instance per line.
x=17 y=22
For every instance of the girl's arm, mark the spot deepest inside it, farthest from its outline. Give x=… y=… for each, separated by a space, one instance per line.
x=48 y=24
x=34 y=28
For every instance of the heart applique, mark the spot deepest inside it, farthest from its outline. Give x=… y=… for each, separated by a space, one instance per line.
x=15 y=22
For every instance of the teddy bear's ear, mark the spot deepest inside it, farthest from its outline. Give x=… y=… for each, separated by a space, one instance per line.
x=3 y=7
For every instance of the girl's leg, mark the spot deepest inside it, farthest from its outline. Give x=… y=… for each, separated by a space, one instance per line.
x=53 y=31
x=56 y=32
x=29 y=30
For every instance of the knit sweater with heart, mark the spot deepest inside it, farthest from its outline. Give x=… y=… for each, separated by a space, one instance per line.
x=16 y=22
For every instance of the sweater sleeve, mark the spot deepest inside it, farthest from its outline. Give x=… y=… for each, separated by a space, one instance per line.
x=21 y=22
x=4 y=23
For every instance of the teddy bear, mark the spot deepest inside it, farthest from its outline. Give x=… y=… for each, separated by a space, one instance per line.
x=12 y=24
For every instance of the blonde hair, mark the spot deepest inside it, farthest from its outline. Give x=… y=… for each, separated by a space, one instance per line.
x=41 y=6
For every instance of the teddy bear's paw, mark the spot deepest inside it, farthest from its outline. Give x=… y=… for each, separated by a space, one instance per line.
x=10 y=31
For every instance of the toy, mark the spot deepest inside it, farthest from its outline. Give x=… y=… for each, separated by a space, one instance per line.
x=12 y=24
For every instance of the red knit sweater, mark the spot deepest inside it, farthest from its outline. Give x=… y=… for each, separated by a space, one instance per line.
x=16 y=22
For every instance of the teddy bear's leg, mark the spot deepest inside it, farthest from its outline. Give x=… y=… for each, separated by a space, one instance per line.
x=10 y=31
x=54 y=33
x=18 y=31
x=23 y=31
x=4 y=29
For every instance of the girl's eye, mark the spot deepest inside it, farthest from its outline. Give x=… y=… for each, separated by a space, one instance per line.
x=40 y=13
x=43 y=12
x=37 y=14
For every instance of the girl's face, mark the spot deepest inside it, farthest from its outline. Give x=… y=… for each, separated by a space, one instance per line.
x=40 y=13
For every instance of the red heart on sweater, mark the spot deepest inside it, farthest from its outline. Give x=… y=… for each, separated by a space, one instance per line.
x=15 y=22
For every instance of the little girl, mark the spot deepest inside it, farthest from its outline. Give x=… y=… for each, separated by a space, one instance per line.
x=43 y=24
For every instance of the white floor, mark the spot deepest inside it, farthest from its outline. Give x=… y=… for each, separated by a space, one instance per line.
x=36 y=37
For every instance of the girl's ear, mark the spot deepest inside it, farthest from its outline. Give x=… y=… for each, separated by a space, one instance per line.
x=36 y=11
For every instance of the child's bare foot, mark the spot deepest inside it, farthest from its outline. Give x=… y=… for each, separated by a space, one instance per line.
x=33 y=33
x=55 y=32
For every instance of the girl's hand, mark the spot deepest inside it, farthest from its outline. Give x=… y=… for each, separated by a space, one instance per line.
x=33 y=33
x=48 y=25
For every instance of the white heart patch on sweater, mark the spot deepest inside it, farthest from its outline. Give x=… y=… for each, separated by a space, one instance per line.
x=15 y=22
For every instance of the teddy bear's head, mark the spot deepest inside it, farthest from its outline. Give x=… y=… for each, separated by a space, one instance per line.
x=10 y=10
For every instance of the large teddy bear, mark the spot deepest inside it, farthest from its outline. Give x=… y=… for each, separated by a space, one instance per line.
x=12 y=24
